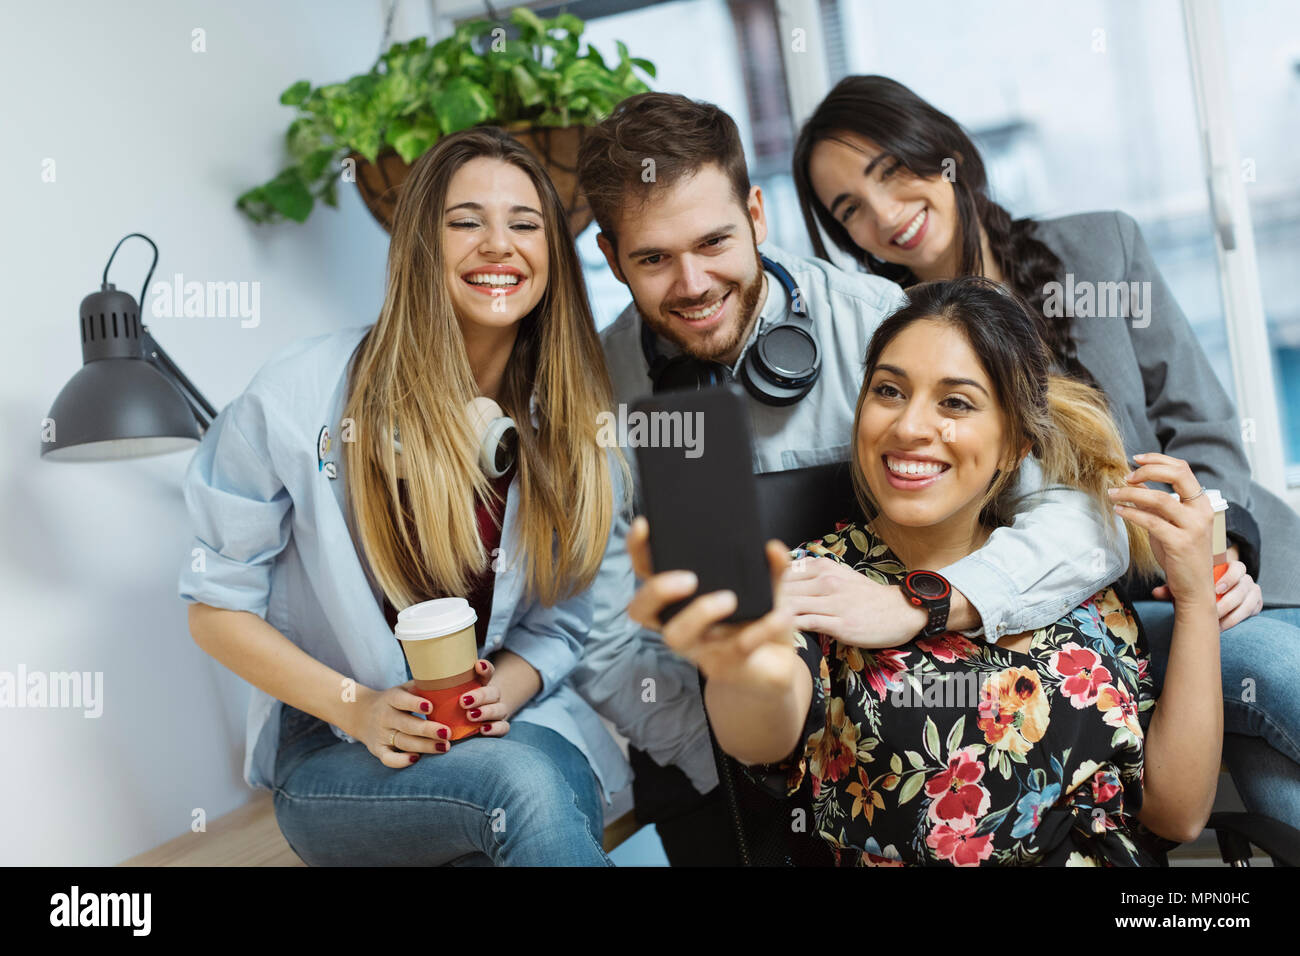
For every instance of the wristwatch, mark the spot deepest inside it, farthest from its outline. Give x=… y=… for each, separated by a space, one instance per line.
x=931 y=591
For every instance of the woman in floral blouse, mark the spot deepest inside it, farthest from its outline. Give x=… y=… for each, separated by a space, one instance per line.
x=1044 y=748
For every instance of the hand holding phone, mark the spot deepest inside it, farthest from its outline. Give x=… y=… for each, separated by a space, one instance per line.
x=756 y=653
x=695 y=456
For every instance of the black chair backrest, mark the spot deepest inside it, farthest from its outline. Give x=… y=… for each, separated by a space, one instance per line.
x=805 y=503
x=795 y=506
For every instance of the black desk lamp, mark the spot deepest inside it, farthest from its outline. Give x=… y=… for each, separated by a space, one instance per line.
x=129 y=400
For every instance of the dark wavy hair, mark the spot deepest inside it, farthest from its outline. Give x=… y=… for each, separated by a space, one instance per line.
x=1065 y=423
x=921 y=138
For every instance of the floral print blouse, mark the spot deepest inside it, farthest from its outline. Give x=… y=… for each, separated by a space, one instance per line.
x=951 y=751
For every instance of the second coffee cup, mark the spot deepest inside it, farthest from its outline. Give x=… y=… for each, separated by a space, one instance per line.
x=438 y=640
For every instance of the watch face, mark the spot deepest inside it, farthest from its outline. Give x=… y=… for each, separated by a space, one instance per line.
x=927 y=584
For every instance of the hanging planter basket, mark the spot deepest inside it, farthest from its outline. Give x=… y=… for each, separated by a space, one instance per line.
x=555 y=147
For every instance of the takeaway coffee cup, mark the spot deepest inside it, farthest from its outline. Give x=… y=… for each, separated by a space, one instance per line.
x=1219 y=541
x=438 y=640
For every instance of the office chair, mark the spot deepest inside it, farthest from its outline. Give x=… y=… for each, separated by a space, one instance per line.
x=804 y=503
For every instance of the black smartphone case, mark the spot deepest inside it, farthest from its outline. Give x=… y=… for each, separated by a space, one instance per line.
x=703 y=511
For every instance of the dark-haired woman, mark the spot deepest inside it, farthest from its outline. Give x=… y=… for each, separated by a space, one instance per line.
x=1046 y=748
x=898 y=185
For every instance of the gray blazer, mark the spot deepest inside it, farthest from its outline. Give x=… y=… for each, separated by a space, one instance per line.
x=1162 y=390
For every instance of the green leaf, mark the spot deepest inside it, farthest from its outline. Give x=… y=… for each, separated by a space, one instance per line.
x=313 y=167
x=527 y=21
x=295 y=94
x=412 y=139
x=895 y=764
x=911 y=787
x=644 y=65
x=530 y=93
x=570 y=23
x=462 y=103
x=395 y=93
x=914 y=759
x=932 y=738
x=954 y=735
x=306 y=135
x=993 y=821
x=252 y=203
x=478 y=27
x=289 y=197
x=330 y=194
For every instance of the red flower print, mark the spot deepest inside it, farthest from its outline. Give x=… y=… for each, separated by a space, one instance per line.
x=1104 y=786
x=960 y=846
x=949 y=647
x=956 y=795
x=1084 y=675
x=881 y=666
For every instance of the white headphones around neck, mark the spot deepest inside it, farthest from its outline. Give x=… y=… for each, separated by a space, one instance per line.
x=496 y=433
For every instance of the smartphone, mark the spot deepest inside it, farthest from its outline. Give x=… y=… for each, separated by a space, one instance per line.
x=695 y=456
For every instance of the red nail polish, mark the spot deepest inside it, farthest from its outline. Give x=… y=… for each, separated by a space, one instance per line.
x=442 y=747
x=424 y=706
x=474 y=714
x=414 y=758
x=482 y=665
x=467 y=700
x=442 y=732
x=484 y=728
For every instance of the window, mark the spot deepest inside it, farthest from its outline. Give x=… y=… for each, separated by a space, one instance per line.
x=1262 y=46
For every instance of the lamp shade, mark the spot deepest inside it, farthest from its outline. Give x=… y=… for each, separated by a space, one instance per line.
x=119 y=408
x=119 y=405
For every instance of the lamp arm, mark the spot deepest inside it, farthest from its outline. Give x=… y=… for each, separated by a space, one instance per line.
x=155 y=355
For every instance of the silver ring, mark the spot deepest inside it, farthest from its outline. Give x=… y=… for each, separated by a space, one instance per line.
x=391 y=738
x=1193 y=497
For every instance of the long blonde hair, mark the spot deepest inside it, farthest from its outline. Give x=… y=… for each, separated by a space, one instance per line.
x=412 y=374
x=1066 y=423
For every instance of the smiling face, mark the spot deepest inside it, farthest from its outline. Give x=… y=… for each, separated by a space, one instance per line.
x=493 y=244
x=887 y=211
x=689 y=256
x=931 y=433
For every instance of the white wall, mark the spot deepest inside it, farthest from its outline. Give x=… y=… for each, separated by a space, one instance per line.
x=146 y=136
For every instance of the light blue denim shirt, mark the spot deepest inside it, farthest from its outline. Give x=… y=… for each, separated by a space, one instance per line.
x=272 y=537
x=1059 y=550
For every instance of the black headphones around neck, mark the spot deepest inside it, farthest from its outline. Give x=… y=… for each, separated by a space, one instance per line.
x=780 y=368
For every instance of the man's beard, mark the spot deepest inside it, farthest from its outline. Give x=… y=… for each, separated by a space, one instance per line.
x=714 y=349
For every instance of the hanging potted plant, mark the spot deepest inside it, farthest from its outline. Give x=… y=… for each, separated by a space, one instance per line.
x=542 y=86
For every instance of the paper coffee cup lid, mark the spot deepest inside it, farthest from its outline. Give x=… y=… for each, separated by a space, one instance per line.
x=1217 y=501
x=436 y=618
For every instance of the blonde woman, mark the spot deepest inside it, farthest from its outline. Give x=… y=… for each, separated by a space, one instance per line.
x=346 y=484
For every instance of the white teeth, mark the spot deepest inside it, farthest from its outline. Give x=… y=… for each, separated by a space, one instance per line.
x=901 y=466
x=492 y=278
x=912 y=229
x=700 y=313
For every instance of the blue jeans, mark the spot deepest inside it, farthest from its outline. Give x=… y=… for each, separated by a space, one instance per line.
x=1260 y=663
x=526 y=799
